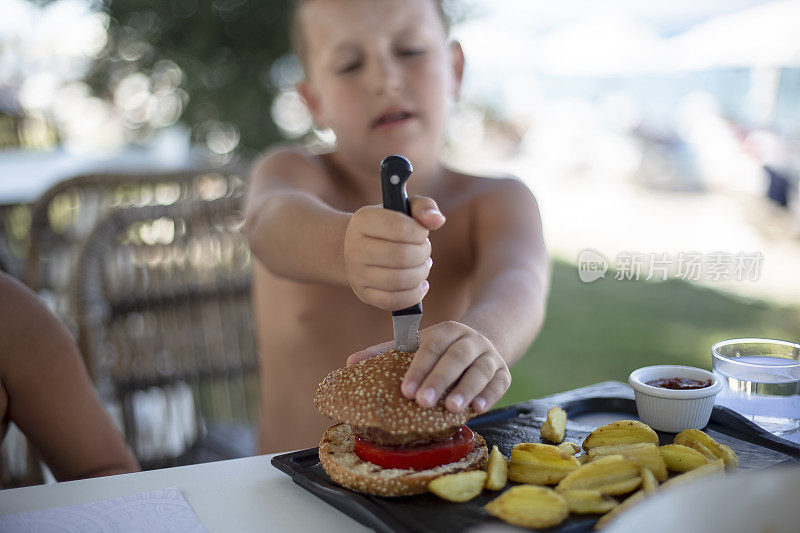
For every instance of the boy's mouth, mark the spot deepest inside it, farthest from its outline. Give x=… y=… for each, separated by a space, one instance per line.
x=392 y=118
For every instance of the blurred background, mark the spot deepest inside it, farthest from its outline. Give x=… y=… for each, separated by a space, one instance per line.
x=649 y=129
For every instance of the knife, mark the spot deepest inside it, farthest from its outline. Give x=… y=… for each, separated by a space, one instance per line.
x=395 y=171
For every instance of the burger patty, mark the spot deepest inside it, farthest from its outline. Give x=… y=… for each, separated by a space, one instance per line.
x=384 y=438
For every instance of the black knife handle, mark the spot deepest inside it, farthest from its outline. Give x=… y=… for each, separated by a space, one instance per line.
x=395 y=171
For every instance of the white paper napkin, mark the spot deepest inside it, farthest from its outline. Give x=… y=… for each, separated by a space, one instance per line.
x=163 y=510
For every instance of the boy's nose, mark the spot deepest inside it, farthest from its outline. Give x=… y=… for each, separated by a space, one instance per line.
x=387 y=77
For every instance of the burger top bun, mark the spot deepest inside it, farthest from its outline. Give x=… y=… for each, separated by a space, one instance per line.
x=367 y=394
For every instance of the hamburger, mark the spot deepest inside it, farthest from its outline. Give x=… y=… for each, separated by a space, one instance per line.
x=385 y=444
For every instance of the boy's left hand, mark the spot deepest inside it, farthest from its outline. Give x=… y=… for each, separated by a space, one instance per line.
x=446 y=351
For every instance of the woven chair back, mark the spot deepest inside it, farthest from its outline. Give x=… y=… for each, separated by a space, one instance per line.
x=162 y=301
x=65 y=214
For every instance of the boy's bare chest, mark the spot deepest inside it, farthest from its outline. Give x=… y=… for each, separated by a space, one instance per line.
x=313 y=314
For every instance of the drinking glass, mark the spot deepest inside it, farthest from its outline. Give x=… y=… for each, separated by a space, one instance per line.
x=761 y=380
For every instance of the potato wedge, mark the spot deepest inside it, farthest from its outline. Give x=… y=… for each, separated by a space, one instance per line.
x=496 y=470
x=460 y=487
x=712 y=468
x=569 y=447
x=529 y=506
x=556 y=424
x=621 y=432
x=680 y=458
x=698 y=440
x=702 y=450
x=588 y=501
x=649 y=481
x=582 y=458
x=637 y=497
x=539 y=464
x=645 y=454
x=610 y=475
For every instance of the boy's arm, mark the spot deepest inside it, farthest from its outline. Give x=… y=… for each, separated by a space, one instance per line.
x=473 y=353
x=512 y=271
x=384 y=256
x=291 y=231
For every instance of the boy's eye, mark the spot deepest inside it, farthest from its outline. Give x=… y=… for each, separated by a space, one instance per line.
x=411 y=51
x=349 y=67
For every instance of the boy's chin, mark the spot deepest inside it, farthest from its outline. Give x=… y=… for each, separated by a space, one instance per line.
x=416 y=149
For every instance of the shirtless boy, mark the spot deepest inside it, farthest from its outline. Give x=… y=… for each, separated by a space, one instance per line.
x=331 y=263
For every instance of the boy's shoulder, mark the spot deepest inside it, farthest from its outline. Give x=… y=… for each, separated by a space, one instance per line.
x=291 y=164
x=488 y=188
x=297 y=166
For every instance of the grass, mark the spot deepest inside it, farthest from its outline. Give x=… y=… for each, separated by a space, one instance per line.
x=604 y=330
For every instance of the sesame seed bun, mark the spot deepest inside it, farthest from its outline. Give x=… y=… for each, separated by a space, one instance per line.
x=367 y=394
x=347 y=469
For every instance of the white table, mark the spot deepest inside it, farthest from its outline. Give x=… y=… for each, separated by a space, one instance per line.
x=238 y=495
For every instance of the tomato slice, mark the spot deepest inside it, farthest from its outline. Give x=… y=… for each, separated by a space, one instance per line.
x=419 y=457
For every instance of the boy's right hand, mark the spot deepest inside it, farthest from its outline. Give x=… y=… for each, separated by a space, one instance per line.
x=387 y=254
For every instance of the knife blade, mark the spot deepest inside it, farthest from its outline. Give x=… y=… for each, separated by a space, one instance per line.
x=395 y=171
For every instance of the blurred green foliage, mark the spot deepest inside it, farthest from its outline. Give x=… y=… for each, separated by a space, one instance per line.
x=225 y=49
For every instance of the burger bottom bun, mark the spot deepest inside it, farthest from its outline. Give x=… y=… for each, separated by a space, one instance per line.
x=347 y=469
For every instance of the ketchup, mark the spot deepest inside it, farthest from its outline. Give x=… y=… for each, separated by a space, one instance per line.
x=679 y=383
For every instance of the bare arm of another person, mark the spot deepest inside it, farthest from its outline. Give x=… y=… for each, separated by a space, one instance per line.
x=49 y=394
x=384 y=256
x=473 y=351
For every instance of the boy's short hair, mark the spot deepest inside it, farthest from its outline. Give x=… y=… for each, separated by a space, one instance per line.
x=296 y=29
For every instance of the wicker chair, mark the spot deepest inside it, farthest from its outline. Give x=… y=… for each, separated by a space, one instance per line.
x=12 y=244
x=20 y=464
x=162 y=302
x=65 y=214
x=7 y=264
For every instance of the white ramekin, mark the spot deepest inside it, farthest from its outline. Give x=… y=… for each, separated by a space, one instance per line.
x=674 y=410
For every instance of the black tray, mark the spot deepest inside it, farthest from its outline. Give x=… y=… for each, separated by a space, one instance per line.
x=506 y=427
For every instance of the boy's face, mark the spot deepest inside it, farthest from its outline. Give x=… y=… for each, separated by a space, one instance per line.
x=379 y=73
